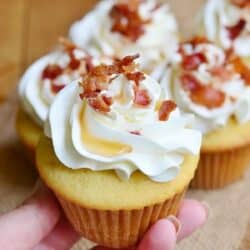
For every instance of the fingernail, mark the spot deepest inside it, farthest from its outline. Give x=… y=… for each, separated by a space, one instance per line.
x=175 y=222
x=207 y=208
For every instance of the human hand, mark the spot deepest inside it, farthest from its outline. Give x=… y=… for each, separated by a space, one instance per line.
x=39 y=225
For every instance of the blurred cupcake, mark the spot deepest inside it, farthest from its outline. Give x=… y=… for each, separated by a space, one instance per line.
x=41 y=83
x=227 y=22
x=115 y=156
x=210 y=83
x=119 y=28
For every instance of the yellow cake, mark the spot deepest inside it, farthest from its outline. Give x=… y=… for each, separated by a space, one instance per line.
x=102 y=207
x=29 y=132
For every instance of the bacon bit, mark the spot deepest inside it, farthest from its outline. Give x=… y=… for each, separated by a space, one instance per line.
x=242 y=69
x=89 y=63
x=135 y=132
x=67 y=44
x=222 y=73
x=209 y=97
x=196 y=41
x=137 y=77
x=126 y=64
x=166 y=108
x=141 y=97
x=192 y=62
x=56 y=88
x=99 y=104
x=234 y=31
x=241 y=3
x=52 y=71
x=127 y=20
x=190 y=83
x=99 y=78
x=203 y=95
x=74 y=63
x=108 y=100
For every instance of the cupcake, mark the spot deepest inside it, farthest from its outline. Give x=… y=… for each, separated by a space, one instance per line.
x=214 y=85
x=227 y=22
x=41 y=83
x=116 y=155
x=119 y=28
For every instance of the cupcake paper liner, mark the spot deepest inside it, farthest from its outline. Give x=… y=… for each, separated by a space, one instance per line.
x=217 y=170
x=118 y=229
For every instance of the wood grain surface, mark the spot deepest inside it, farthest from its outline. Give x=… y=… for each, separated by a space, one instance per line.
x=29 y=29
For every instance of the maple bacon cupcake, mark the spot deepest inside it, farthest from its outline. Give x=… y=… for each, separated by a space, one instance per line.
x=227 y=23
x=41 y=83
x=109 y=165
x=119 y=28
x=211 y=83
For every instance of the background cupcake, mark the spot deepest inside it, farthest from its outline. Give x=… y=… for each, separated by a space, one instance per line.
x=227 y=22
x=208 y=82
x=120 y=157
x=118 y=28
x=41 y=83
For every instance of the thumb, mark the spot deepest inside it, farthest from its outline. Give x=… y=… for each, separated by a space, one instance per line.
x=161 y=236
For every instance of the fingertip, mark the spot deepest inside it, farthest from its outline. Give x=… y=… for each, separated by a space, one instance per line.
x=161 y=236
x=62 y=237
x=192 y=215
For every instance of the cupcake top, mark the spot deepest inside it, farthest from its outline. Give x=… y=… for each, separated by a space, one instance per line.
x=49 y=75
x=120 y=28
x=114 y=119
x=211 y=83
x=227 y=22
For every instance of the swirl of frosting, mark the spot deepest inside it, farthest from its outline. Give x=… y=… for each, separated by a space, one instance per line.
x=112 y=120
x=209 y=83
x=119 y=28
x=49 y=75
x=227 y=22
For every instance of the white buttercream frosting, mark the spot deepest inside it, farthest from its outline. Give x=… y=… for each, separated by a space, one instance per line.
x=234 y=88
x=36 y=92
x=156 y=46
x=218 y=16
x=157 y=149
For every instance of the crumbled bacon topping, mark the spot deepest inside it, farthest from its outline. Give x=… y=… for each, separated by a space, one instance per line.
x=99 y=78
x=52 y=71
x=137 y=77
x=192 y=62
x=165 y=110
x=101 y=103
x=204 y=95
x=242 y=69
x=196 y=41
x=142 y=97
x=222 y=72
x=235 y=31
x=55 y=88
x=127 y=20
x=135 y=132
x=241 y=3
